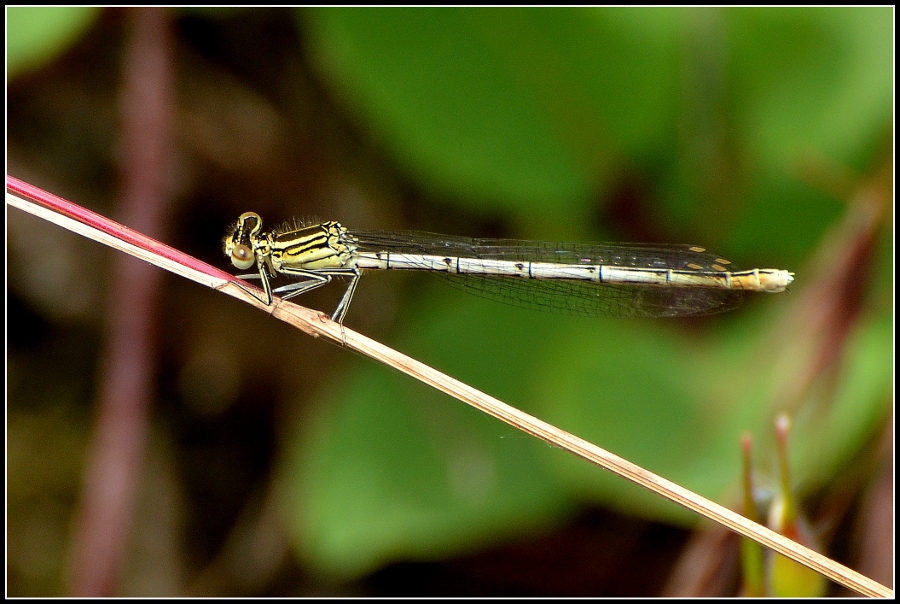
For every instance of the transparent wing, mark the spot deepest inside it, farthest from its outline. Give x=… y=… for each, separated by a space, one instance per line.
x=575 y=297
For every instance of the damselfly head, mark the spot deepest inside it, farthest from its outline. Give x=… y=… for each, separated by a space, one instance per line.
x=238 y=241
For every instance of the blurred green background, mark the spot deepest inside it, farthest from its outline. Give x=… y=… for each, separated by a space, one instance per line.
x=279 y=465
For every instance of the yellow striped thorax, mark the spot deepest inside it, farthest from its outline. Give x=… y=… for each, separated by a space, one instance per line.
x=325 y=245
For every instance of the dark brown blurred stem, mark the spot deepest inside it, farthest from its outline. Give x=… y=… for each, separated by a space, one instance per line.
x=116 y=449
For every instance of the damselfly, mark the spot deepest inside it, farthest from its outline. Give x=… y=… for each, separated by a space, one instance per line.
x=613 y=280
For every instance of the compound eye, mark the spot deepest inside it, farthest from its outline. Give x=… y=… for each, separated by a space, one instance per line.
x=242 y=257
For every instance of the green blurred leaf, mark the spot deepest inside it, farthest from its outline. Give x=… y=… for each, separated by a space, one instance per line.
x=635 y=390
x=812 y=80
x=498 y=106
x=392 y=469
x=35 y=35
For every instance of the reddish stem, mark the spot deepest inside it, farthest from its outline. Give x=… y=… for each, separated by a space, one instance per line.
x=115 y=456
